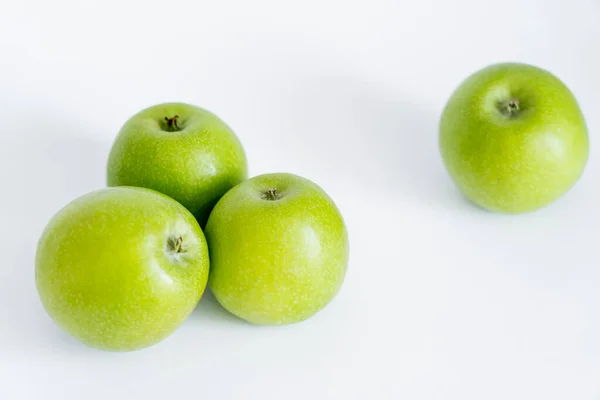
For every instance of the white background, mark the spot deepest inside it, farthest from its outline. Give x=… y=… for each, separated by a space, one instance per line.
x=442 y=300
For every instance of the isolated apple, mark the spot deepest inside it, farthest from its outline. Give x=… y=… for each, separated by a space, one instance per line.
x=513 y=138
x=181 y=150
x=121 y=268
x=279 y=249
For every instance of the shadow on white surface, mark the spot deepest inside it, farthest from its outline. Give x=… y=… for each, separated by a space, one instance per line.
x=209 y=309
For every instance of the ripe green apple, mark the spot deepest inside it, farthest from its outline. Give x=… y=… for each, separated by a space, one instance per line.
x=279 y=249
x=121 y=268
x=181 y=150
x=513 y=138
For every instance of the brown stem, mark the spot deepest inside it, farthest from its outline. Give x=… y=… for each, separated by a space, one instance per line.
x=172 y=123
x=271 y=194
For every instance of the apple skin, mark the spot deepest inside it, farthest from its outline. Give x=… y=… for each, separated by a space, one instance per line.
x=276 y=261
x=108 y=273
x=195 y=161
x=513 y=157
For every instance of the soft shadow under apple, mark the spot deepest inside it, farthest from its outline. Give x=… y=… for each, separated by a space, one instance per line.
x=209 y=309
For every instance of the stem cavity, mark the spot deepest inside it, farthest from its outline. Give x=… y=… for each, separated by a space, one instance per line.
x=271 y=194
x=175 y=245
x=510 y=108
x=172 y=124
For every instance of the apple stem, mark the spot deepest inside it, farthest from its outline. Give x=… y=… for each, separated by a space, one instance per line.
x=271 y=194
x=179 y=245
x=172 y=123
x=512 y=106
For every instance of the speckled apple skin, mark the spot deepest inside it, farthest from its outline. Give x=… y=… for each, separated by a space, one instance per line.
x=276 y=262
x=195 y=165
x=513 y=164
x=105 y=274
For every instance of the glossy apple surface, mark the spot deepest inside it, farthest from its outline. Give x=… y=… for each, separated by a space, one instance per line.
x=181 y=150
x=513 y=138
x=121 y=268
x=279 y=249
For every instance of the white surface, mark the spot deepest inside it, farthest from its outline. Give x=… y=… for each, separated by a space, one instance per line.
x=441 y=301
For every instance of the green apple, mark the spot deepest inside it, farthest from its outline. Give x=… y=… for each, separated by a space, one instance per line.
x=279 y=249
x=513 y=138
x=121 y=268
x=181 y=150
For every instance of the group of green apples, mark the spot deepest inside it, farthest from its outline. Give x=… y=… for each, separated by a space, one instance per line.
x=122 y=267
